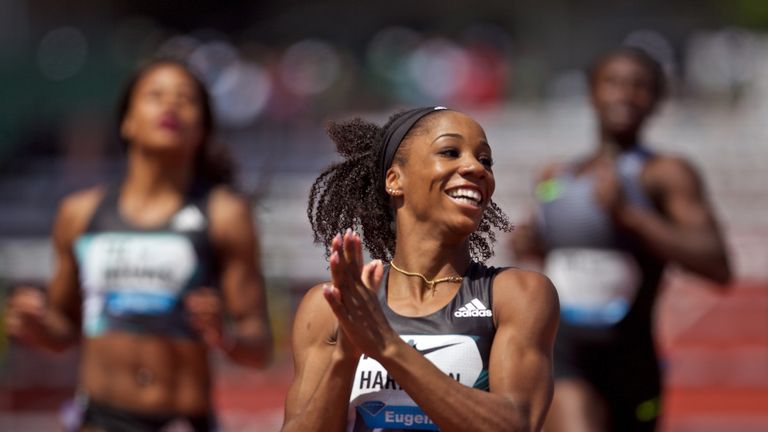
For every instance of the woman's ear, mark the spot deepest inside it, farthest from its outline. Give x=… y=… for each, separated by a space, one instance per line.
x=392 y=181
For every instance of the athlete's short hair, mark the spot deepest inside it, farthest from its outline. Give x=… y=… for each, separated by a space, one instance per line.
x=637 y=54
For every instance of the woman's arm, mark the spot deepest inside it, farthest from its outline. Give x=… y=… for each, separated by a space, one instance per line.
x=249 y=340
x=686 y=232
x=325 y=356
x=51 y=320
x=318 y=398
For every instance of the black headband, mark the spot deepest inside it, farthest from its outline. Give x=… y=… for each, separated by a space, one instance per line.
x=395 y=133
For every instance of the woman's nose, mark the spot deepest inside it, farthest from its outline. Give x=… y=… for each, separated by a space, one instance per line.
x=472 y=166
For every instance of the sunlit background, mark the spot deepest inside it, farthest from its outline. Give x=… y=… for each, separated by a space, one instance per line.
x=278 y=71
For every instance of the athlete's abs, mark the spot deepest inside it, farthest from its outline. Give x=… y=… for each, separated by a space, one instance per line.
x=147 y=373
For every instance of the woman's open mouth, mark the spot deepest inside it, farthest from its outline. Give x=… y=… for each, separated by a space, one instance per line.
x=467 y=196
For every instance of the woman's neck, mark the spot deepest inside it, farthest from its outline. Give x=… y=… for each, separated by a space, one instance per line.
x=429 y=255
x=610 y=145
x=150 y=174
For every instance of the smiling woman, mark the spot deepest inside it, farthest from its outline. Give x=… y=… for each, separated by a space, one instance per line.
x=443 y=342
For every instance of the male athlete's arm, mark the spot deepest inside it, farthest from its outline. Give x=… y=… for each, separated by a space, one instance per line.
x=318 y=398
x=51 y=320
x=686 y=232
x=520 y=371
x=249 y=341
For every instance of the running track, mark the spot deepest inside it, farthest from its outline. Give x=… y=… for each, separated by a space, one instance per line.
x=715 y=349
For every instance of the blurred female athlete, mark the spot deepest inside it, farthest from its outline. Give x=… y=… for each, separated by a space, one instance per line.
x=605 y=228
x=147 y=269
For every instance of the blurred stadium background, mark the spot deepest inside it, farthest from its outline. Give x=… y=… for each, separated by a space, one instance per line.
x=279 y=70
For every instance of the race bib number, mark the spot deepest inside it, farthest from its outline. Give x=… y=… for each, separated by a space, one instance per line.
x=597 y=287
x=132 y=274
x=378 y=403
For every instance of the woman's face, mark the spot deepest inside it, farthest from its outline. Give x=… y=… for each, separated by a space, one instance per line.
x=165 y=111
x=623 y=94
x=447 y=176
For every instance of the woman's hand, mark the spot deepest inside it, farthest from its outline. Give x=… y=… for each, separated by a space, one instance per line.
x=205 y=311
x=25 y=315
x=363 y=328
x=608 y=190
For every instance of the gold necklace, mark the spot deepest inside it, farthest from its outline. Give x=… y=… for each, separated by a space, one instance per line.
x=430 y=282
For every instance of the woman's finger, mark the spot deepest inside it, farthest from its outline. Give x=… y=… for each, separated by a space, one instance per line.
x=336 y=244
x=358 y=252
x=337 y=272
x=347 y=245
x=341 y=250
x=336 y=248
x=368 y=275
x=377 y=275
x=343 y=278
x=203 y=300
x=333 y=297
x=28 y=299
x=353 y=253
x=342 y=281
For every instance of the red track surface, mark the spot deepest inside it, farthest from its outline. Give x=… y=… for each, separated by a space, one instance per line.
x=714 y=346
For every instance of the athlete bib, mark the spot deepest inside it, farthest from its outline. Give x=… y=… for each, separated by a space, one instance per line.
x=132 y=275
x=596 y=286
x=378 y=403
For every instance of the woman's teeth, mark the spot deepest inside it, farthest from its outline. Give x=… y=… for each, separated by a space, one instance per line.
x=469 y=196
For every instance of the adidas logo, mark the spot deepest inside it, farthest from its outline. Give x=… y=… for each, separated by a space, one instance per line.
x=475 y=308
x=188 y=219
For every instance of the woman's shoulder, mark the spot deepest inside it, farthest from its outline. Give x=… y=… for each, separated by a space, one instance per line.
x=81 y=201
x=314 y=301
x=76 y=209
x=227 y=198
x=228 y=209
x=74 y=214
x=524 y=289
x=517 y=279
x=314 y=318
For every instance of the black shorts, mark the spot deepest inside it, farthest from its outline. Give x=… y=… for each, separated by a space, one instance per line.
x=624 y=371
x=101 y=417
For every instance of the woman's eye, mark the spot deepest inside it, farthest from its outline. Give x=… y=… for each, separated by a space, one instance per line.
x=155 y=94
x=449 y=152
x=187 y=98
x=486 y=161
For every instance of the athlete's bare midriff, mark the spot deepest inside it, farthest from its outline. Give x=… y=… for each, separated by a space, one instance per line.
x=146 y=373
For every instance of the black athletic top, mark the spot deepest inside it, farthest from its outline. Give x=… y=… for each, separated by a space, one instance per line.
x=456 y=338
x=134 y=279
x=607 y=282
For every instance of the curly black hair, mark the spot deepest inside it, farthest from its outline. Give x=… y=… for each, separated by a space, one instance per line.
x=349 y=194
